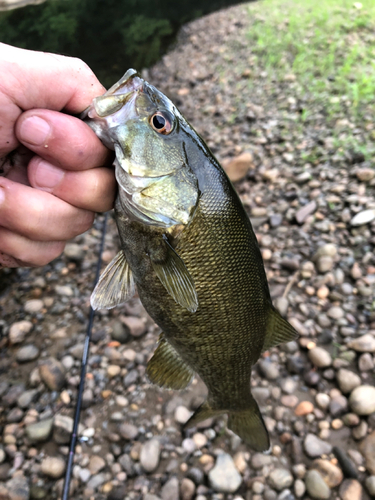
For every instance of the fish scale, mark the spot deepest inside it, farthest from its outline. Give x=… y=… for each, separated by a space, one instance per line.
x=200 y=278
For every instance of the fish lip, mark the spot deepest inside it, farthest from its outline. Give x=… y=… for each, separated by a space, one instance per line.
x=131 y=81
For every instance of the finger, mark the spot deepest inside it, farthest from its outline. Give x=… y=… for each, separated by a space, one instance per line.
x=43 y=80
x=61 y=139
x=18 y=251
x=92 y=189
x=38 y=215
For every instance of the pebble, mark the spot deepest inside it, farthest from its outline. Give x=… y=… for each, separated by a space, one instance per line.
x=363 y=217
x=187 y=489
x=27 y=398
x=62 y=428
x=19 y=330
x=18 y=488
x=303 y=408
x=279 y=479
x=96 y=464
x=365 y=343
x=362 y=400
x=33 y=306
x=74 y=252
x=305 y=211
x=170 y=490
x=316 y=486
x=331 y=474
x=53 y=467
x=113 y=371
x=338 y=405
x=350 y=489
x=320 y=357
x=367 y=448
x=268 y=369
x=150 y=455
x=347 y=380
x=52 y=373
x=322 y=400
x=200 y=440
x=324 y=264
x=40 y=431
x=315 y=447
x=238 y=167
x=27 y=353
x=182 y=414
x=119 y=332
x=224 y=477
x=136 y=326
x=370 y=485
x=299 y=488
x=64 y=290
x=128 y=431
x=366 y=362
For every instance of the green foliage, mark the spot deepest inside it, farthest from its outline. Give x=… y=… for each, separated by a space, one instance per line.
x=110 y=36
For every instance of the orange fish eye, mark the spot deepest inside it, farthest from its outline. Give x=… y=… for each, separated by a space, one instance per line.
x=161 y=123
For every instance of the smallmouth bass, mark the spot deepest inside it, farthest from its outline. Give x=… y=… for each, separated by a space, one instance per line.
x=188 y=247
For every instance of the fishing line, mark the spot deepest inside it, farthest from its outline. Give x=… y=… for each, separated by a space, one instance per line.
x=73 y=440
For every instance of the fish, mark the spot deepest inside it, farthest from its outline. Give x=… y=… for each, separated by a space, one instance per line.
x=189 y=250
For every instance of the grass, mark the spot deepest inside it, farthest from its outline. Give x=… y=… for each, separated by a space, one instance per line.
x=328 y=46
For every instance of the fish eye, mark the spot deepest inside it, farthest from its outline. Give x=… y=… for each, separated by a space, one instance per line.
x=161 y=123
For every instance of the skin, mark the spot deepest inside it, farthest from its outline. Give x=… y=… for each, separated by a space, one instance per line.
x=54 y=171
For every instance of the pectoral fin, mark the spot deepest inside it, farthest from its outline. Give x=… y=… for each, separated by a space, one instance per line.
x=278 y=330
x=176 y=278
x=115 y=285
x=166 y=368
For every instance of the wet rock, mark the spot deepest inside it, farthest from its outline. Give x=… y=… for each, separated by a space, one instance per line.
x=316 y=486
x=33 y=306
x=18 y=488
x=367 y=448
x=40 y=431
x=224 y=477
x=237 y=168
x=315 y=447
x=347 y=380
x=52 y=373
x=128 y=431
x=150 y=455
x=19 y=330
x=170 y=490
x=279 y=479
x=350 y=489
x=53 y=467
x=362 y=400
x=320 y=357
x=27 y=353
x=365 y=343
x=331 y=474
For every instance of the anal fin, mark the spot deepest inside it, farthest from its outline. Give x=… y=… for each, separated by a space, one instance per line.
x=278 y=330
x=115 y=285
x=166 y=368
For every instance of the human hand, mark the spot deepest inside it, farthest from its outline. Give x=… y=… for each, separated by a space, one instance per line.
x=53 y=176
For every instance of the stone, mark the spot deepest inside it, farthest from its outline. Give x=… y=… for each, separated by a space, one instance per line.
x=33 y=306
x=303 y=408
x=338 y=405
x=64 y=290
x=53 y=467
x=187 y=489
x=316 y=486
x=182 y=414
x=52 y=373
x=224 y=477
x=316 y=447
x=74 y=252
x=27 y=397
x=370 y=485
x=303 y=212
x=128 y=431
x=40 y=431
x=18 y=488
x=259 y=460
x=135 y=325
x=96 y=464
x=324 y=264
x=150 y=455
x=322 y=400
x=365 y=174
x=365 y=343
x=363 y=217
x=268 y=369
x=119 y=332
x=331 y=474
x=19 y=330
x=170 y=490
x=27 y=353
x=362 y=400
x=238 y=167
x=347 y=380
x=367 y=448
x=319 y=357
x=63 y=427
x=366 y=362
x=335 y=312
x=350 y=489
x=299 y=488
x=200 y=440
x=279 y=479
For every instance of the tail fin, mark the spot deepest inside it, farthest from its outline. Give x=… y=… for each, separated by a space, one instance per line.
x=248 y=424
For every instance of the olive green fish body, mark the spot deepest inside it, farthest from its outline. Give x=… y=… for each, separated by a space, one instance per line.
x=189 y=249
